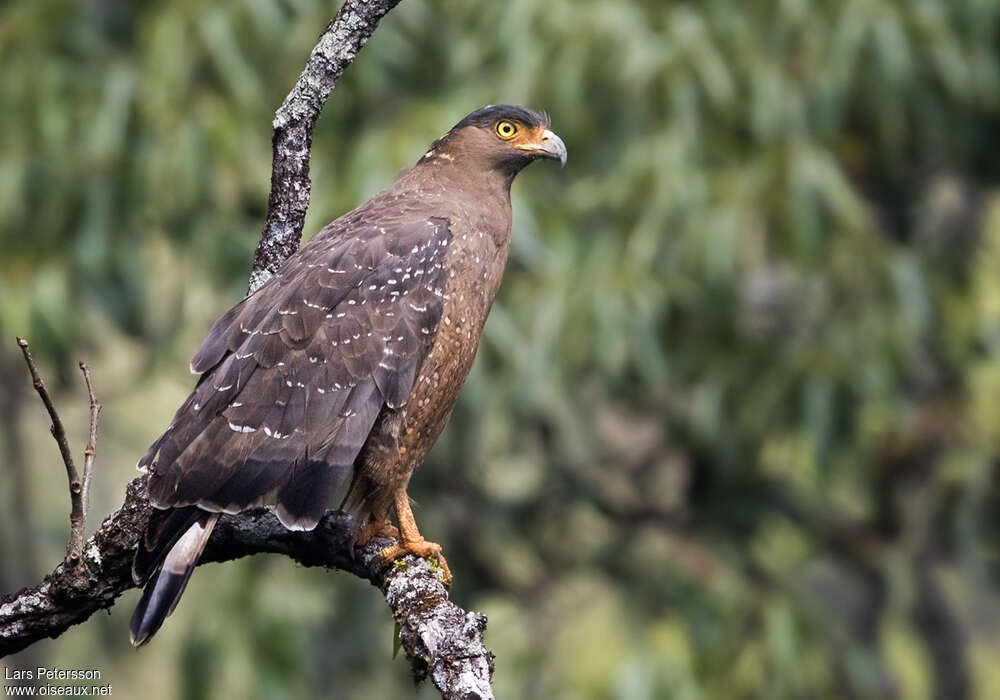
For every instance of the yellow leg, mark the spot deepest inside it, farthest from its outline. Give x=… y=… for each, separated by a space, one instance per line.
x=377 y=529
x=410 y=539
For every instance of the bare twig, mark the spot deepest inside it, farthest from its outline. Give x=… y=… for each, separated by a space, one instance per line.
x=91 y=449
x=78 y=508
x=294 y=121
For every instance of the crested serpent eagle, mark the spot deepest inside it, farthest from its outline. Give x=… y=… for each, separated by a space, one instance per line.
x=344 y=367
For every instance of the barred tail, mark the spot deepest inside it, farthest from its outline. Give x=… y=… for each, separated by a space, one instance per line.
x=166 y=584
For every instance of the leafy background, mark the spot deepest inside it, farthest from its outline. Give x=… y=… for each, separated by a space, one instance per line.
x=734 y=427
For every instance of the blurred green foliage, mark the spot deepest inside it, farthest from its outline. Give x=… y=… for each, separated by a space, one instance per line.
x=734 y=429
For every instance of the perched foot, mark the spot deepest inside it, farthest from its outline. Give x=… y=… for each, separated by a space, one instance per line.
x=411 y=541
x=374 y=530
x=421 y=548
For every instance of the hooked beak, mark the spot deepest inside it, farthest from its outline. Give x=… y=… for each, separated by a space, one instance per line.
x=548 y=146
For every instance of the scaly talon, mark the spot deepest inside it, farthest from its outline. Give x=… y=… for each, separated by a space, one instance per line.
x=410 y=539
x=421 y=548
x=376 y=529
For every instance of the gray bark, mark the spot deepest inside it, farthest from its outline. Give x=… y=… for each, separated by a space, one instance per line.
x=294 y=121
x=441 y=640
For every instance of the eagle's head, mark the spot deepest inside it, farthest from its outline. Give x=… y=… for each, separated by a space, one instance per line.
x=504 y=138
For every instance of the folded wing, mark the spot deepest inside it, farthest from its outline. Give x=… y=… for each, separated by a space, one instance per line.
x=294 y=377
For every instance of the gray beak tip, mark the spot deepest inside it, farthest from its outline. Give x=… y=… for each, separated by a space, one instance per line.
x=553 y=147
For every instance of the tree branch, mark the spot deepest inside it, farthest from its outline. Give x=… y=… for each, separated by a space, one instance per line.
x=90 y=451
x=294 y=121
x=441 y=640
x=77 y=493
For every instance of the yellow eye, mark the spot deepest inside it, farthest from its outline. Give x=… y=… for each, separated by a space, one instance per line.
x=506 y=130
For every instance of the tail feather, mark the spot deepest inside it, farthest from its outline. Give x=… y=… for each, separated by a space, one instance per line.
x=164 y=528
x=166 y=585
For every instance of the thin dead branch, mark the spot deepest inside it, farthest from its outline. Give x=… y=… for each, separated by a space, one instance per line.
x=77 y=494
x=90 y=451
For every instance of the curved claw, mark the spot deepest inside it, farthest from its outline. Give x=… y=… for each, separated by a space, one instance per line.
x=410 y=541
x=421 y=548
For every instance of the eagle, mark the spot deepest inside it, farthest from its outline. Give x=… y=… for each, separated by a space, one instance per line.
x=339 y=373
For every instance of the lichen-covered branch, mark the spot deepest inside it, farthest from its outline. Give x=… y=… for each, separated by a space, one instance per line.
x=442 y=641
x=294 y=121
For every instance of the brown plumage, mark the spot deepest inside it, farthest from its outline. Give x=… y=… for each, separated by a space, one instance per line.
x=344 y=367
